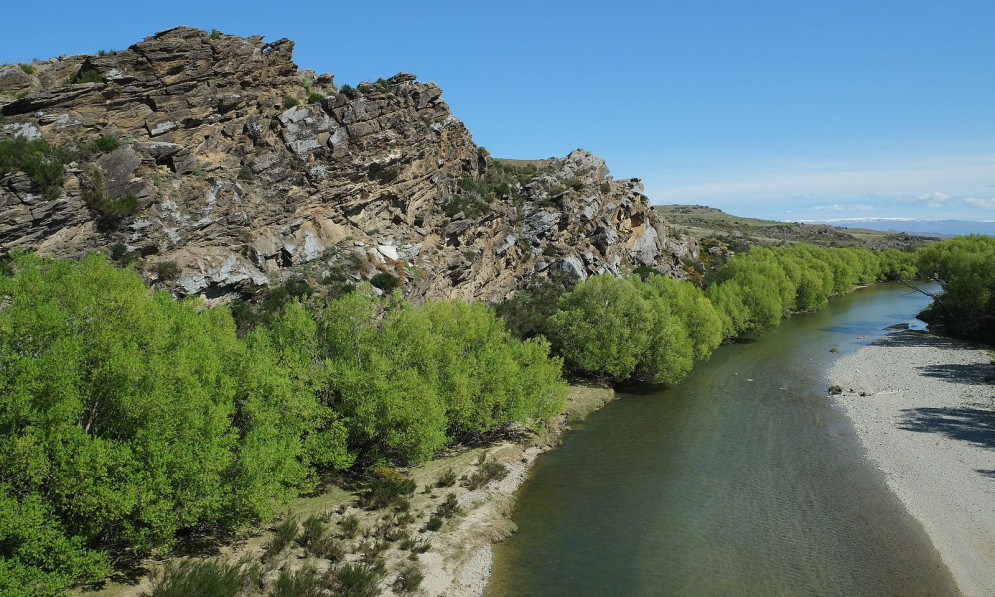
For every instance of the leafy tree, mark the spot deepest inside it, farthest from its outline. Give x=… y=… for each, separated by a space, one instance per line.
x=602 y=327
x=964 y=267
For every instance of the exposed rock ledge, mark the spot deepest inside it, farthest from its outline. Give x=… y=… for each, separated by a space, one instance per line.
x=248 y=170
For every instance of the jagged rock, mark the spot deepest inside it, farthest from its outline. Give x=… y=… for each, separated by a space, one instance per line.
x=238 y=186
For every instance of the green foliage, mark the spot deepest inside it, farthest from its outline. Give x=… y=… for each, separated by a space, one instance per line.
x=86 y=76
x=111 y=212
x=28 y=69
x=602 y=326
x=754 y=290
x=434 y=523
x=122 y=255
x=106 y=143
x=527 y=314
x=107 y=53
x=385 y=281
x=427 y=374
x=349 y=525
x=290 y=101
x=285 y=533
x=964 y=267
x=357 y=580
x=215 y=34
x=386 y=488
x=490 y=470
x=37 y=158
x=127 y=416
x=348 y=91
x=408 y=580
x=166 y=271
x=202 y=577
x=303 y=582
x=314 y=97
x=447 y=479
x=450 y=507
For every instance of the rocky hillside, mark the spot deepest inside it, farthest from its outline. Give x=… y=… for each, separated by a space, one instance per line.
x=214 y=164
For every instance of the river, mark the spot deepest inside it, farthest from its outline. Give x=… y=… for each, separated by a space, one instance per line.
x=744 y=479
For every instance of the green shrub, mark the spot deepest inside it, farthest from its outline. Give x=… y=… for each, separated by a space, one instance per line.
x=447 y=479
x=290 y=101
x=385 y=281
x=312 y=529
x=313 y=97
x=357 y=580
x=328 y=548
x=38 y=159
x=215 y=34
x=202 y=577
x=167 y=270
x=123 y=255
x=107 y=53
x=303 y=582
x=28 y=69
x=387 y=486
x=349 y=525
x=284 y=534
x=408 y=580
x=86 y=76
x=491 y=470
x=106 y=143
x=450 y=507
x=434 y=523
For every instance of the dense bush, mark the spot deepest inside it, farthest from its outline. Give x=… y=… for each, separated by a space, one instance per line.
x=964 y=267
x=37 y=158
x=754 y=290
x=126 y=416
x=623 y=329
x=426 y=375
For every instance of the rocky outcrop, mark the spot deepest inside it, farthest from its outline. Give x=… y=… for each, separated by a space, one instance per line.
x=243 y=170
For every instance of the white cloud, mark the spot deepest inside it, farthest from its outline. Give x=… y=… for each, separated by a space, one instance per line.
x=975 y=202
x=931 y=199
x=879 y=181
x=839 y=207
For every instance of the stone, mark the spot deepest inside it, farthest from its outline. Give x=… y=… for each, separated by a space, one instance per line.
x=236 y=190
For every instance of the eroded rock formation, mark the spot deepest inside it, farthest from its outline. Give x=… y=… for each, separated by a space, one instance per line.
x=247 y=170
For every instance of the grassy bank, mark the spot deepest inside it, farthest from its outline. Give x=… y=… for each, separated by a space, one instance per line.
x=398 y=544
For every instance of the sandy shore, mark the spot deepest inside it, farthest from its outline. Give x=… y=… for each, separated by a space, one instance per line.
x=924 y=408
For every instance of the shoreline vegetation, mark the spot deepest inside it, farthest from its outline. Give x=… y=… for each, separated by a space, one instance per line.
x=134 y=424
x=923 y=407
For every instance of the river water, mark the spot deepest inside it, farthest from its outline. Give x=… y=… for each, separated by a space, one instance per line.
x=744 y=479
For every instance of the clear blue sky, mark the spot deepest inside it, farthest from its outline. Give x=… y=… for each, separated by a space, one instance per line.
x=789 y=109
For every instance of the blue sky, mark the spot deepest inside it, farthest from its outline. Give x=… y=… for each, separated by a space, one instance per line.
x=783 y=109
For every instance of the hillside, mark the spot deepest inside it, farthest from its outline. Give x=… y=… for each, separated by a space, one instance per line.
x=739 y=232
x=217 y=167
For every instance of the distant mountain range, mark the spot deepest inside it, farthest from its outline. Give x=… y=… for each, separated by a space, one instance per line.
x=914 y=225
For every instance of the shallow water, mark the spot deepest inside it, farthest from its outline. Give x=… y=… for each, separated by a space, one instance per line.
x=744 y=479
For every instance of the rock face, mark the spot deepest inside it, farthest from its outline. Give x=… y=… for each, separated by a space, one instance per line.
x=247 y=171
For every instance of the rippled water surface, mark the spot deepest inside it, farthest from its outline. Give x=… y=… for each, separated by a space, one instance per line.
x=742 y=480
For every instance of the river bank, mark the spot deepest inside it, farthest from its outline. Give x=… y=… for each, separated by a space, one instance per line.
x=460 y=564
x=923 y=407
x=456 y=561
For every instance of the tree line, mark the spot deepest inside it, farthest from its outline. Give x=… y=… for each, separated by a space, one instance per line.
x=964 y=267
x=128 y=417
x=653 y=328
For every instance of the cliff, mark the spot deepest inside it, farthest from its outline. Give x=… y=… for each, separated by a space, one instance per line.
x=215 y=164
